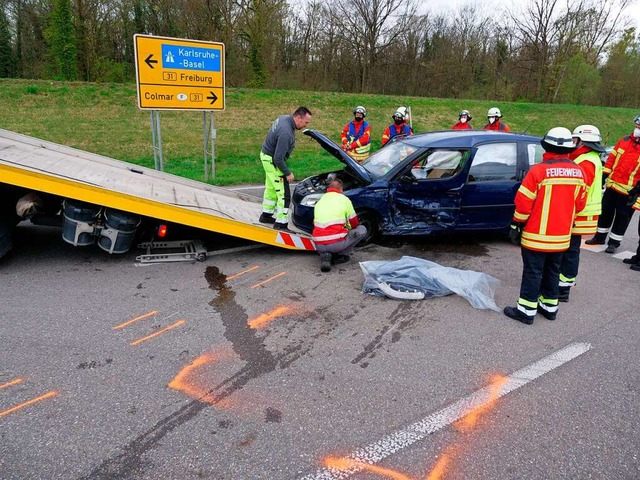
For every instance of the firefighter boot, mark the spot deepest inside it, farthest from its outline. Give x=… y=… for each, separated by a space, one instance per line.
x=513 y=312
x=632 y=261
x=563 y=294
x=635 y=267
x=546 y=314
x=266 y=218
x=325 y=262
x=597 y=239
x=612 y=247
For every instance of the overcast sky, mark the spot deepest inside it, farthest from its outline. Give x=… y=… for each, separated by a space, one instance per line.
x=633 y=11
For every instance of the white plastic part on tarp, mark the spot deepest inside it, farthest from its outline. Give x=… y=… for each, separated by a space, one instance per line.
x=413 y=278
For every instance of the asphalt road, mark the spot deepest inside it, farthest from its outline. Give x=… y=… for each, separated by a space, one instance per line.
x=262 y=367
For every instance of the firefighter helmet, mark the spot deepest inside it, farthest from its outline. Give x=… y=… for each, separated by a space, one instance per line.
x=587 y=133
x=400 y=113
x=360 y=109
x=465 y=112
x=494 y=112
x=558 y=140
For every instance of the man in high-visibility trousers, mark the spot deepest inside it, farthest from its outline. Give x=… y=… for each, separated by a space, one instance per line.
x=336 y=229
x=546 y=205
x=276 y=149
x=587 y=155
x=621 y=172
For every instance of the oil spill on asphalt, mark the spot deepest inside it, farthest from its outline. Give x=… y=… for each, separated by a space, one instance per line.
x=401 y=319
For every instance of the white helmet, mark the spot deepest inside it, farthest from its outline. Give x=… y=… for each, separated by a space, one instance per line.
x=494 y=112
x=360 y=109
x=558 y=140
x=400 y=113
x=587 y=133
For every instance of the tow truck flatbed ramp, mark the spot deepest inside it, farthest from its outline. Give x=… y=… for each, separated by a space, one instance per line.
x=71 y=173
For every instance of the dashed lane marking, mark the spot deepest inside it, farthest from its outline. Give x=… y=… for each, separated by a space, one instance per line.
x=397 y=441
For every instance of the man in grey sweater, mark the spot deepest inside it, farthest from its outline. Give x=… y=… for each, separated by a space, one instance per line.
x=277 y=147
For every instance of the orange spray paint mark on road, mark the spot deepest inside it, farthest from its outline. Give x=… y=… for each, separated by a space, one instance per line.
x=129 y=322
x=471 y=419
x=342 y=464
x=269 y=279
x=236 y=275
x=266 y=318
x=159 y=332
x=438 y=470
x=20 y=406
x=182 y=384
x=12 y=383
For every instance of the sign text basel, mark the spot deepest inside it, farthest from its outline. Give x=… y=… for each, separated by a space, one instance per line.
x=177 y=74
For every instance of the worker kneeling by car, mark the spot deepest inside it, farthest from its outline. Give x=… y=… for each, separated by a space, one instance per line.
x=336 y=229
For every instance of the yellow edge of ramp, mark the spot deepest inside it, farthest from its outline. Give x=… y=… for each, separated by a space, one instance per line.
x=161 y=211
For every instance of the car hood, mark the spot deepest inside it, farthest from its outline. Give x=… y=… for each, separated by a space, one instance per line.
x=361 y=172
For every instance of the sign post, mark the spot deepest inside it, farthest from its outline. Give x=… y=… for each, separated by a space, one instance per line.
x=179 y=74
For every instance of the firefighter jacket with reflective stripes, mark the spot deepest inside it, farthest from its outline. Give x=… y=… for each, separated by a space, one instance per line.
x=462 y=126
x=393 y=130
x=623 y=165
x=586 y=222
x=356 y=134
x=497 y=126
x=547 y=201
x=333 y=217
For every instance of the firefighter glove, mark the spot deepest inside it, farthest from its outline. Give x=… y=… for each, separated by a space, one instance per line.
x=515 y=232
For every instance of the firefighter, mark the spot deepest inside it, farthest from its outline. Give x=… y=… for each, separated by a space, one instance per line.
x=621 y=172
x=277 y=147
x=336 y=229
x=546 y=204
x=634 y=201
x=464 y=117
x=356 y=136
x=493 y=116
x=398 y=127
x=587 y=155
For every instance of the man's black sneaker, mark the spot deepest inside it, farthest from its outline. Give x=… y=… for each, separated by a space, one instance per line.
x=547 y=315
x=611 y=248
x=266 y=218
x=516 y=314
x=281 y=226
x=338 y=259
x=325 y=262
x=632 y=261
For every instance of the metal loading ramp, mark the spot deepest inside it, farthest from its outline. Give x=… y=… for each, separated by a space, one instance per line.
x=71 y=173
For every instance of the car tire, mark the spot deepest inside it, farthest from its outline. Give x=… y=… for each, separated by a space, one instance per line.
x=369 y=220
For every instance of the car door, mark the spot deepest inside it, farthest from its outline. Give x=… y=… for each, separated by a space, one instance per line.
x=425 y=197
x=487 y=201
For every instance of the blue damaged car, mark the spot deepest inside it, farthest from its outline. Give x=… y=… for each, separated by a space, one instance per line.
x=437 y=182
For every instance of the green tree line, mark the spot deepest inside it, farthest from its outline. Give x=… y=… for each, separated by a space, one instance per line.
x=571 y=51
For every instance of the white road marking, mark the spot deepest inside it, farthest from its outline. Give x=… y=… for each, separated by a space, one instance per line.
x=594 y=248
x=623 y=255
x=393 y=443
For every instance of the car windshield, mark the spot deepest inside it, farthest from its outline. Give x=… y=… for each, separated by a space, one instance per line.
x=388 y=157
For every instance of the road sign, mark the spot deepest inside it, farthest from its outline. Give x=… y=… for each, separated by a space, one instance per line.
x=178 y=74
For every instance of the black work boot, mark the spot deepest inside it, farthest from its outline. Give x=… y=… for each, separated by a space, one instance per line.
x=597 y=239
x=563 y=294
x=612 y=247
x=266 y=218
x=635 y=267
x=281 y=226
x=513 y=312
x=632 y=261
x=338 y=259
x=325 y=262
x=546 y=314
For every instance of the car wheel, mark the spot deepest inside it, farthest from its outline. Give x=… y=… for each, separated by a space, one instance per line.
x=369 y=220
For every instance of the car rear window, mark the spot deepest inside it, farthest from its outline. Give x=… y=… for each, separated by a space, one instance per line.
x=494 y=161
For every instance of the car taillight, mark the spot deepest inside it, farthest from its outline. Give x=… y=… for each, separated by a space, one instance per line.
x=162 y=231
